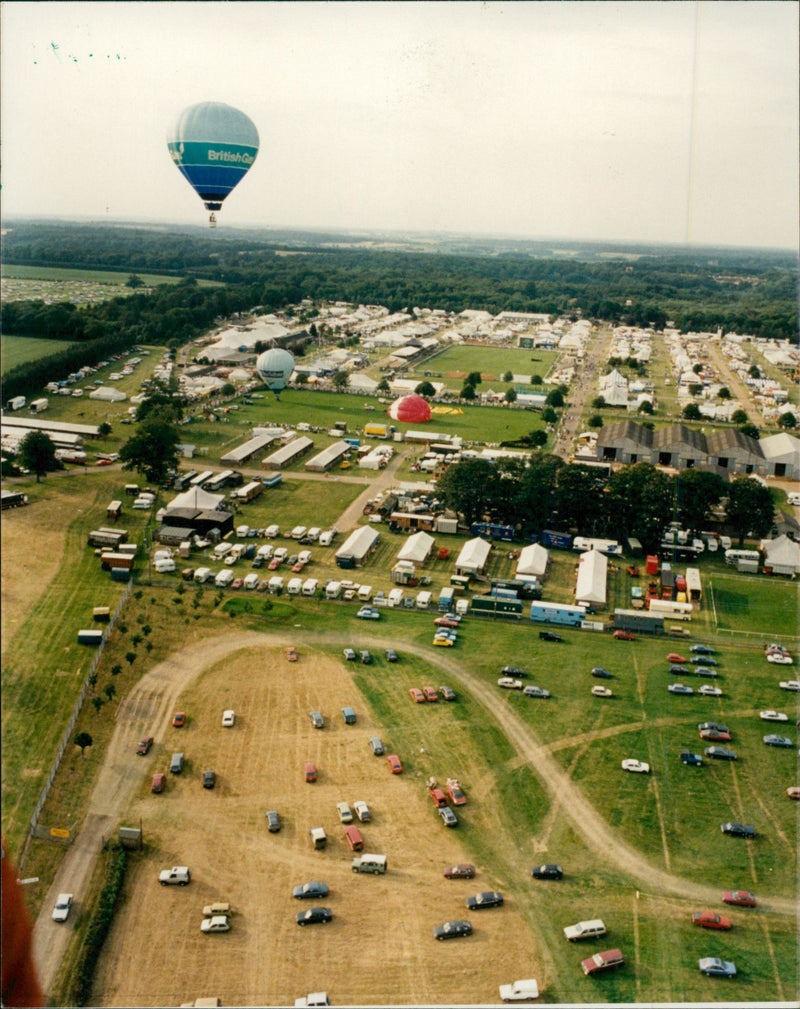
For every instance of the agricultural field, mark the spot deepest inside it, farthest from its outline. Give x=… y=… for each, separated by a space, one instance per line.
x=81 y=287
x=15 y=350
x=453 y=364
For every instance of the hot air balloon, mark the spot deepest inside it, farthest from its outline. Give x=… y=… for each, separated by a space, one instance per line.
x=274 y=367
x=213 y=146
x=411 y=410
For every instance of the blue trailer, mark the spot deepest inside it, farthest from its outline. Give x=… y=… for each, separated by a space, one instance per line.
x=549 y=538
x=273 y=480
x=493 y=530
x=556 y=613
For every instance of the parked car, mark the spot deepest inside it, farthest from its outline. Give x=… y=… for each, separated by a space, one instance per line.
x=62 y=906
x=344 y=811
x=549 y=636
x=773 y=716
x=591 y=929
x=720 y=753
x=218 y=923
x=520 y=991
x=348 y=715
x=304 y=891
x=601 y=673
x=509 y=683
x=782 y=741
x=349 y=655
x=448 y=694
x=714 y=967
x=464 y=870
x=391 y=655
x=679 y=671
x=701 y=649
x=416 y=695
x=779 y=658
x=513 y=671
x=309 y=772
x=547 y=872
x=314 y=916
x=533 y=691
x=703 y=660
x=377 y=747
x=793 y=792
x=316 y=719
x=679 y=688
x=158 y=783
x=741 y=898
x=364 y=657
x=602 y=961
x=636 y=766
x=708 y=691
x=144 y=746
x=430 y=694
x=362 y=811
x=691 y=759
x=209 y=779
x=394 y=764
x=228 y=718
x=599 y=691
x=621 y=635
x=449 y=818
x=368 y=613
x=291 y=654
x=178 y=875
x=793 y=685
x=452 y=930
x=738 y=830
x=710 y=919
x=705 y=671
x=179 y=719
x=674 y=657
x=273 y=821
x=489 y=898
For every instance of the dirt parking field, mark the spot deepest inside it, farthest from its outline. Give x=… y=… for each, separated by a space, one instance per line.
x=379 y=948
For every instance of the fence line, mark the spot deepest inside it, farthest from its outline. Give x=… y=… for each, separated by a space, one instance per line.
x=70 y=726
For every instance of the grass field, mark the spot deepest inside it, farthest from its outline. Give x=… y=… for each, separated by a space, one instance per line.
x=453 y=364
x=55 y=273
x=15 y=350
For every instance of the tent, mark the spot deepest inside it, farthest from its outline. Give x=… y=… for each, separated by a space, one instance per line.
x=591 y=584
x=196 y=497
x=417 y=548
x=532 y=561
x=473 y=557
x=108 y=394
x=781 y=556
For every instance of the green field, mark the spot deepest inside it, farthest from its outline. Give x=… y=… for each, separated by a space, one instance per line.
x=116 y=278
x=454 y=364
x=15 y=350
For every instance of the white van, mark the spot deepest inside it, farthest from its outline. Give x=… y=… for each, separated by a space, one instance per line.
x=396 y=597
x=333 y=590
x=304 y=557
x=326 y=538
x=365 y=593
x=313 y=533
x=310 y=586
x=294 y=586
x=162 y=555
x=265 y=552
x=224 y=578
x=275 y=586
x=251 y=581
x=202 y=575
x=222 y=548
x=793 y=498
x=298 y=532
x=423 y=600
x=165 y=566
x=272 y=531
x=281 y=554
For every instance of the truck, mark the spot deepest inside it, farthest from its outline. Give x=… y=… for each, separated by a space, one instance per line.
x=519 y=991
x=178 y=874
x=375 y=864
x=16 y=403
x=39 y=404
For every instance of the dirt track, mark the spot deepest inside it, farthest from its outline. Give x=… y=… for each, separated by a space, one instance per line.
x=266 y=959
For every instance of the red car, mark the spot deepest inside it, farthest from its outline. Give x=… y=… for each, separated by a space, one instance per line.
x=144 y=746
x=417 y=695
x=621 y=635
x=394 y=763
x=430 y=694
x=464 y=870
x=274 y=564
x=602 y=961
x=309 y=772
x=742 y=898
x=291 y=654
x=674 y=657
x=446 y=622
x=158 y=783
x=237 y=583
x=710 y=919
x=716 y=735
x=179 y=720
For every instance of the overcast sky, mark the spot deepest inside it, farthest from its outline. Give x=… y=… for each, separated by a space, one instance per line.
x=673 y=122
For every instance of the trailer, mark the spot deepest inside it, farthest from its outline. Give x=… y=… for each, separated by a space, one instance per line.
x=38 y=405
x=550 y=538
x=638 y=620
x=13 y=499
x=584 y=543
x=556 y=613
x=217 y=482
x=693 y=585
x=200 y=478
x=447 y=525
x=493 y=531
x=491 y=606
x=114 y=560
x=672 y=609
x=90 y=637
x=273 y=480
x=249 y=492
x=446 y=599
x=181 y=481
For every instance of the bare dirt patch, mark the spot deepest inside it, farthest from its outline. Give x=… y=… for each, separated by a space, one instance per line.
x=379 y=948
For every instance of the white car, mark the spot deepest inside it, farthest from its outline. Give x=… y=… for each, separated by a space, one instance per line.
x=63 y=905
x=509 y=683
x=219 y=923
x=601 y=692
x=519 y=991
x=637 y=766
x=773 y=716
x=789 y=685
x=779 y=658
x=228 y=718
x=709 y=691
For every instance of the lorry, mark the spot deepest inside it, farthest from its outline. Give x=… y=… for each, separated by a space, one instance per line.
x=178 y=874
x=519 y=991
x=375 y=864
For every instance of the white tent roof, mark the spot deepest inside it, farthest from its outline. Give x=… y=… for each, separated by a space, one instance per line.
x=474 y=554
x=783 y=446
x=532 y=560
x=417 y=548
x=108 y=394
x=592 y=571
x=781 y=552
x=196 y=497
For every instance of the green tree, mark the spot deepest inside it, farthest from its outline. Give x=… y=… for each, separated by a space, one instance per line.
x=697 y=492
x=134 y=281
x=509 y=376
x=695 y=388
x=340 y=381
x=468 y=391
x=549 y=416
x=754 y=371
x=787 y=420
x=38 y=454
x=467 y=487
x=383 y=385
x=302 y=378
x=425 y=389
x=474 y=378
x=163 y=403
x=750 y=508
x=83 y=739
x=598 y=402
x=97 y=703
x=697 y=369
x=104 y=429
x=228 y=389
x=739 y=417
x=750 y=430
x=638 y=503
x=109 y=690
x=692 y=411
x=152 y=451
x=538 y=437
x=511 y=396
x=646 y=407
x=724 y=393
x=536 y=379
x=595 y=420
x=555 y=398
x=130 y=657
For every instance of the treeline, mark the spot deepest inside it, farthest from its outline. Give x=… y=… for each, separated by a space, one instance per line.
x=636 y=501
